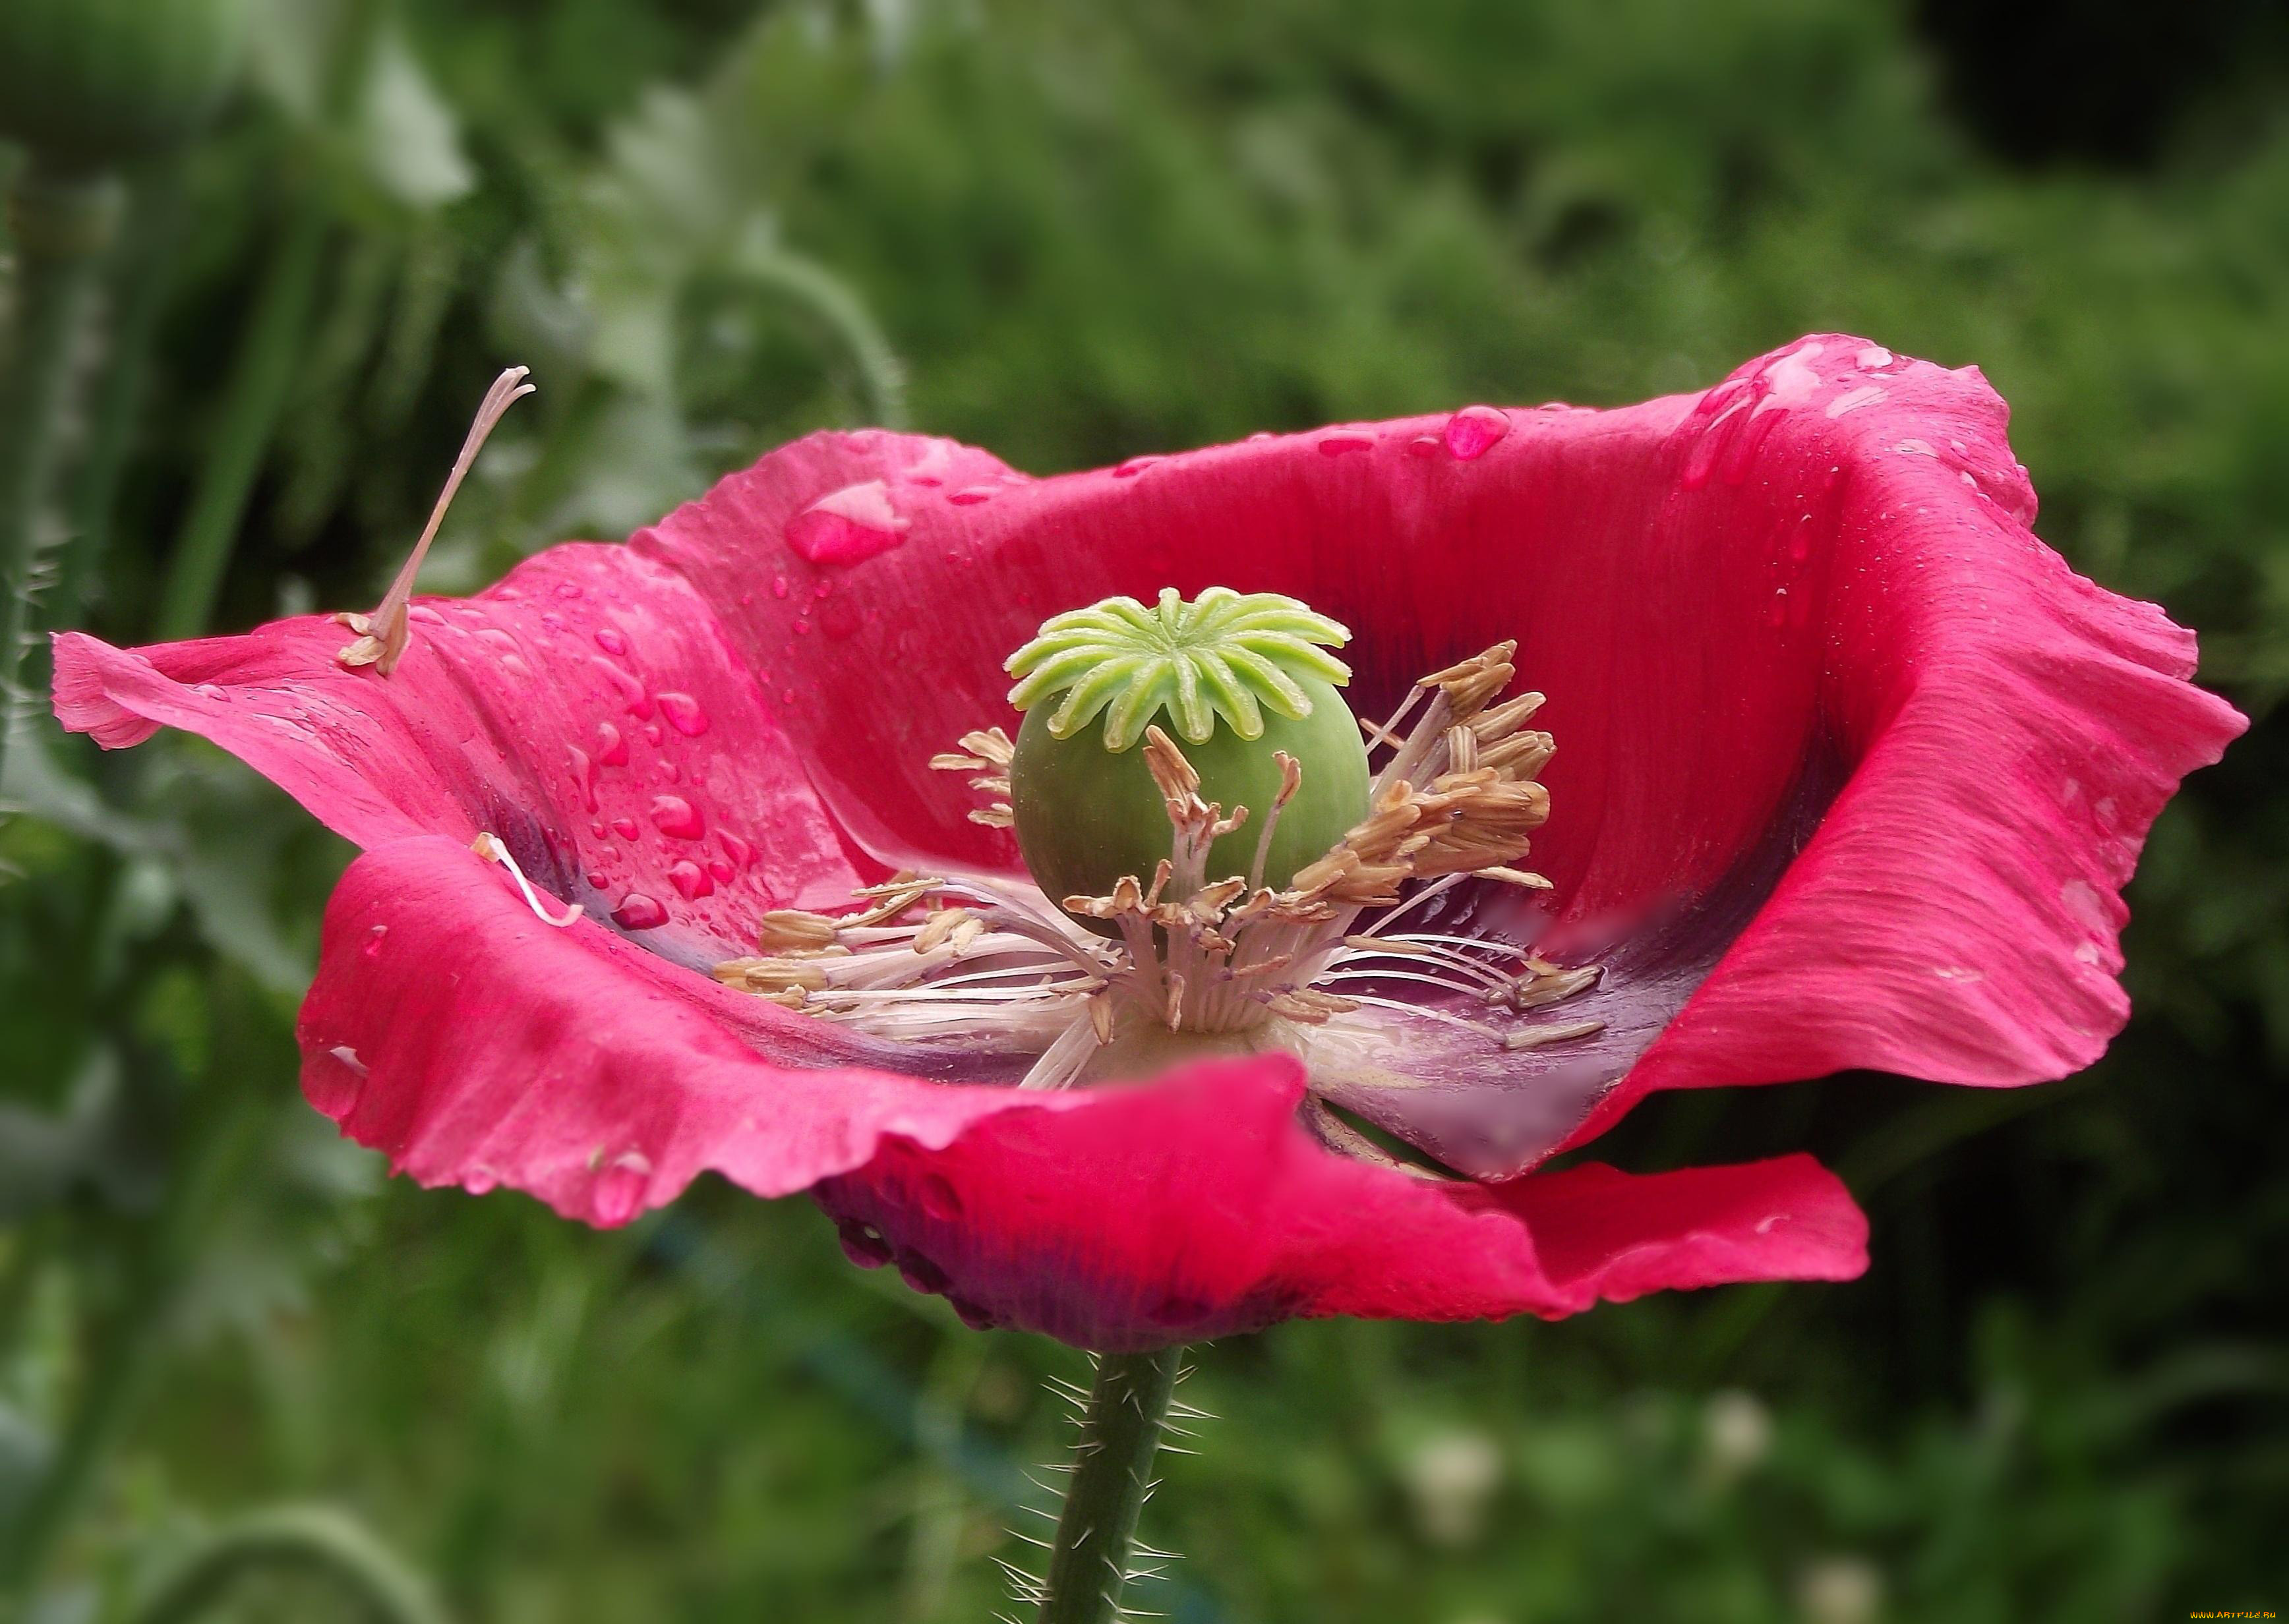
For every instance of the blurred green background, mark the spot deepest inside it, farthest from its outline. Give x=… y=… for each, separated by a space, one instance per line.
x=1071 y=232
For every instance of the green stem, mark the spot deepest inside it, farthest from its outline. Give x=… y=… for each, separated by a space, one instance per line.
x=62 y=222
x=144 y=269
x=308 y=1537
x=829 y=299
x=1113 y=1472
x=260 y=380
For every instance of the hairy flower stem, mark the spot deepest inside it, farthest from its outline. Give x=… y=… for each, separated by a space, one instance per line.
x=1112 y=1473
x=62 y=224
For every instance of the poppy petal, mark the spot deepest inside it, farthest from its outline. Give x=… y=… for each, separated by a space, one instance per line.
x=477 y=1046
x=1841 y=744
x=583 y=710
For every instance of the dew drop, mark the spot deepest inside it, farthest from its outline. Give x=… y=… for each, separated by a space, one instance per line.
x=737 y=849
x=1873 y=358
x=1343 y=442
x=611 y=748
x=722 y=872
x=1475 y=431
x=498 y=639
x=638 y=911
x=610 y=641
x=677 y=818
x=682 y=713
x=374 y=936
x=1853 y=400
x=212 y=690
x=971 y=495
x=617 y=1194
x=847 y=526
x=651 y=733
x=1776 y=611
x=689 y=878
x=568 y=589
x=1425 y=445
x=1134 y=466
x=584 y=772
x=626 y=828
x=862 y=1243
x=598 y=879
x=426 y=616
x=634 y=700
x=779 y=587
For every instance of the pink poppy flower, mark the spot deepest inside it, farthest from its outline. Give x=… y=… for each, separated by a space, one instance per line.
x=1851 y=769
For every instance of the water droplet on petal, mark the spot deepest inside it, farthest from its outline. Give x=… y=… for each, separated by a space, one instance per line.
x=676 y=818
x=632 y=697
x=1872 y=358
x=862 y=1243
x=584 y=772
x=682 y=713
x=568 y=589
x=847 y=526
x=778 y=586
x=1425 y=445
x=1342 y=442
x=1134 y=466
x=638 y=911
x=1475 y=430
x=971 y=495
x=598 y=879
x=611 y=748
x=689 y=878
x=722 y=872
x=212 y=690
x=626 y=828
x=737 y=849
x=610 y=641
x=374 y=936
x=618 y=1192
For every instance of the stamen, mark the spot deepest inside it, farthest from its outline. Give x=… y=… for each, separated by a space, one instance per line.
x=990 y=960
x=491 y=847
x=384 y=635
x=1291 y=779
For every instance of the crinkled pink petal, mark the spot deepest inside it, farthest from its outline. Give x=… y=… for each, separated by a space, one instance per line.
x=1841 y=744
x=585 y=710
x=478 y=1046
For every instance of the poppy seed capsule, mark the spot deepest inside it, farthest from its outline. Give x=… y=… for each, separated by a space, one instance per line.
x=1243 y=685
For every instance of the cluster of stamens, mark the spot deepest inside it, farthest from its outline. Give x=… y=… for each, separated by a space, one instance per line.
x=928 y=959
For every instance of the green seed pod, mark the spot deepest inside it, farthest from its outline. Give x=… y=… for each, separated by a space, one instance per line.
x=86 y=83
x=1237 y=679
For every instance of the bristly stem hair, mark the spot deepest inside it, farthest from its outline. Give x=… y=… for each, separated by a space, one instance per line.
x=1121 y=1424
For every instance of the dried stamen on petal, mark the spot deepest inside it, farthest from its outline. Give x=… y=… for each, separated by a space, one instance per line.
x=384 y=635
x=491 y=847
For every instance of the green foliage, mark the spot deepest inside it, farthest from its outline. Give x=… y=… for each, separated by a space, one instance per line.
x=1091 y=232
